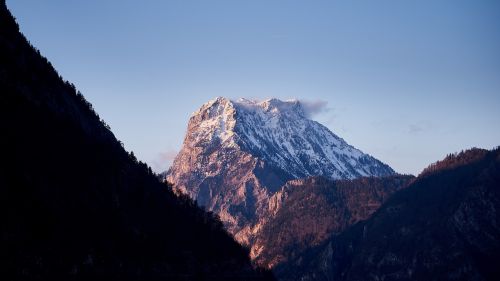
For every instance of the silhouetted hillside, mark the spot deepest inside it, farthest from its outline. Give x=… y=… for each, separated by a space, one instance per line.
x=444 y=226
x=74 y=205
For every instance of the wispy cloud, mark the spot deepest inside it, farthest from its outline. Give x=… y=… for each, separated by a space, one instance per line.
x=419 y=127
x=415 y=129
x=164 y=160
x=312 y=108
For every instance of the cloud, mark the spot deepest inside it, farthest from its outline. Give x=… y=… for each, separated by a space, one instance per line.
x=312 y=108
x=420 y=127
x=415 y=129
x=164 y=160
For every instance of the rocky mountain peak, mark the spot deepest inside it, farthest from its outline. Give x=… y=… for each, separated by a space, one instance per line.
x=273 y=106
x=238 y=153
x=280 y=133
x=213 y=122
x=215 y=107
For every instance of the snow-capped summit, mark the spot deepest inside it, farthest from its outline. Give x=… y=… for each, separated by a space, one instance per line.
x=279 y=133
x=236 y=154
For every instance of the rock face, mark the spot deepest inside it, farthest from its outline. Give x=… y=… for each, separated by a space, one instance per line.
x=443 y=226
x=237 y=154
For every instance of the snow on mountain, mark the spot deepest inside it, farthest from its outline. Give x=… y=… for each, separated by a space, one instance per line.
x=280 y=133
x=236 y=154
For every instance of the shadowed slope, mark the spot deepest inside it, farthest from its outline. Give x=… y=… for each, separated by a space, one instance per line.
x=444 y=226
x=306 y=212
x=74 y=205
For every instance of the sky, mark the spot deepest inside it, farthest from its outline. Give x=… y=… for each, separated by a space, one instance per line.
x=407 y=82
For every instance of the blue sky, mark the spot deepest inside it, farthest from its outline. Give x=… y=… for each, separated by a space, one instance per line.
x=405 y=81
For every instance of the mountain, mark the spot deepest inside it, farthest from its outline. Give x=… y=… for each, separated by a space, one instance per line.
x=306 y=212
x=74 y=205
x=443 y=226
x=237 y=154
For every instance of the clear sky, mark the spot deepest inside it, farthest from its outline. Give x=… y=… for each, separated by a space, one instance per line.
x=405 y=81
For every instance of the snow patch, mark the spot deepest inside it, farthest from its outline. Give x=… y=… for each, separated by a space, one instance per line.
x=280 y=133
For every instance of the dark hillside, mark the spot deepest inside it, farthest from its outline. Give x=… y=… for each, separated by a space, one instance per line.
x=74 y=205
x=443 y=226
